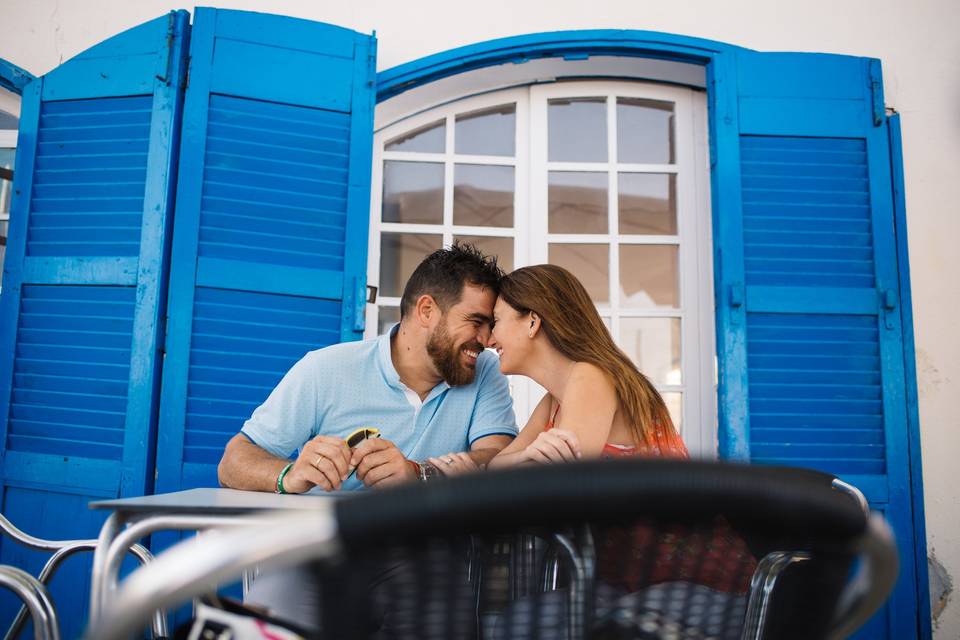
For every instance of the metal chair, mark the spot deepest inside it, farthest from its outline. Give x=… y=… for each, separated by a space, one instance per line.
x=36 y=600
x=672 y=513
x=61 y=550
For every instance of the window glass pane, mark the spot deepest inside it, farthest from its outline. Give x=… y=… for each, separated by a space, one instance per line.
x=413 y=192
x=483 y=195
x=429 y=139
x=647 y=203
x=644 y=131
x=589 y=262
x=491 y=132
x=654 y=345
x=649 y=276
x=6 y=193
x=674 y=402
x=577 y=130
x=493 y=246
x=388 y=316
x=577 y=202
x=400 y=253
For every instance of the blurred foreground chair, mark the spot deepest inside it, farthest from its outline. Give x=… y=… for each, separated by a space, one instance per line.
x=648 y=549
x=33 y=592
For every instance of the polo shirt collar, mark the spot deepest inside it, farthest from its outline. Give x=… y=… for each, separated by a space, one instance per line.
x=390 y=372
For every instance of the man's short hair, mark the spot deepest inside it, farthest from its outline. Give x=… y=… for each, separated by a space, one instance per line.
x=443 y=274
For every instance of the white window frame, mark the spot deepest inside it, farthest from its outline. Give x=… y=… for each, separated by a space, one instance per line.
x=446 y=228
x=531 y=240
x=8 y=140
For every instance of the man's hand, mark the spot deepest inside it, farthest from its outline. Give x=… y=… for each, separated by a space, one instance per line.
x=453 y=464
x=379 y=463
x=323 y=462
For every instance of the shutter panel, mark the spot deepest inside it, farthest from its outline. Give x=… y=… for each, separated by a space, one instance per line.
x=809 y=238
x=83 y=291
x=269 y=254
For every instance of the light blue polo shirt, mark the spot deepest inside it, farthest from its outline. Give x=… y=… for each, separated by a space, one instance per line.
x=343 y=387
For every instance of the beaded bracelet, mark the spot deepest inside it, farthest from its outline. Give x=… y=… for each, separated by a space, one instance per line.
x=280 y=478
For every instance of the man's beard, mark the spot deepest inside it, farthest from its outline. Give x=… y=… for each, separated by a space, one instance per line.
x=446 y=357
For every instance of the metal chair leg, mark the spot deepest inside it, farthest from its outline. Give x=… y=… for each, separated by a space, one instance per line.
x=35 y=598
x=62 y=549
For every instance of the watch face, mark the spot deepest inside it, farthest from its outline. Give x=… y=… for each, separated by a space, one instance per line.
x=430 y=471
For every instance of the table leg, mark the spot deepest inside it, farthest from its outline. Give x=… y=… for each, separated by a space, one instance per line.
x=100 y=556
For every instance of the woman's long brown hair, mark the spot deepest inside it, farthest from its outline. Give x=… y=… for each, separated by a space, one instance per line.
x=573 y=326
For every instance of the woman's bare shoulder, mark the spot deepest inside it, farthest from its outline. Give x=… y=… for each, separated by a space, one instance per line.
x=588 y=372
x=591 y=378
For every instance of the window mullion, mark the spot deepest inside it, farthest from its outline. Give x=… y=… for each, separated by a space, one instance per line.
x=612 y=215
x=448 y=167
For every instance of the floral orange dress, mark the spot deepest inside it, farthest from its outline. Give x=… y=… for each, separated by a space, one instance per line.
x=717 y=558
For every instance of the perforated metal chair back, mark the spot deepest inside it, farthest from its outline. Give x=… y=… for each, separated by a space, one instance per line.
x=648 y=549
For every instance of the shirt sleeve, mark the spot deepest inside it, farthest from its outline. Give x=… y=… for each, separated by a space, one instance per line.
x=288 y=417
x=493 y=413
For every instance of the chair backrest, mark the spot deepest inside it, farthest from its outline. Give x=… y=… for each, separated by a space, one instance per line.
x=662 y=548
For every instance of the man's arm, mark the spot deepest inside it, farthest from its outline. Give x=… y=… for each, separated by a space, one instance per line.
x=484 y=449
x=246 y=466
x=481 y=453
x=323 y=461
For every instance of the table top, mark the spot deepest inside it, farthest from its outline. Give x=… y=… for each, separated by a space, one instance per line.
x=216 y=501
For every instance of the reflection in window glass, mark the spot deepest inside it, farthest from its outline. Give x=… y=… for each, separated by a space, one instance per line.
x=674 y=402
x=491 y=132
x=648 y=203
x=588 y=262
x=577 y=202
x=483 y=195
x=500 y=247
x=644 y=131
x=413 y=192
x=649 y=276
x=400 y=253
x=388 y=316
x=654 y=345
x=577 y=130
x=428 y=139
x=6 y=194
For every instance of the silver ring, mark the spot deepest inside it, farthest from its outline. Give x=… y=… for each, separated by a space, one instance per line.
x=448 y=460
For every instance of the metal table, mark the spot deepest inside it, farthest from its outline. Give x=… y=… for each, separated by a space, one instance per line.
x=191 y=510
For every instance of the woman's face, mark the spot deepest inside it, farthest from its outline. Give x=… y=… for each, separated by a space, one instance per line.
x=510 y=337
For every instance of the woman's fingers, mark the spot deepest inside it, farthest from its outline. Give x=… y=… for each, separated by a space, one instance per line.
x=571 y=439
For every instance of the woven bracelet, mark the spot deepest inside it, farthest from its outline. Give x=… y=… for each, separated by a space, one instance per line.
x=280 y=478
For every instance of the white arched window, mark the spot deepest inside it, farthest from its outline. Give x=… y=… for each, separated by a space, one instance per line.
x=605 y=178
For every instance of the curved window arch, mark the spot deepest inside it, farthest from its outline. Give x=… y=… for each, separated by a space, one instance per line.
x=604 y=177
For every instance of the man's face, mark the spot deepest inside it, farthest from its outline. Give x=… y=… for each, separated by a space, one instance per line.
x=460 y=336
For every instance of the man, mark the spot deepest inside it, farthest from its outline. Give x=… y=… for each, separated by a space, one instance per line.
x=428 y=386
x=437 y=397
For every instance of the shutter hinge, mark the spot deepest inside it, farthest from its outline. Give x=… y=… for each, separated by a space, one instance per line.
x=889 y=303
x=876 y=92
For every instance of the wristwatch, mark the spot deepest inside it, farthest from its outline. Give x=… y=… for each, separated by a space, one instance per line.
x=428 y=472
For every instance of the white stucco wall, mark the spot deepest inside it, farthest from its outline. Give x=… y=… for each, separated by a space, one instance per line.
x=916 y=41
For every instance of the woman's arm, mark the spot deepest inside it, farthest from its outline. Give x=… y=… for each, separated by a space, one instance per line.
x=513 y=453
x=589 y=405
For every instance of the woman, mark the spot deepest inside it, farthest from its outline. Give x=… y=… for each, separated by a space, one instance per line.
x=597 y=403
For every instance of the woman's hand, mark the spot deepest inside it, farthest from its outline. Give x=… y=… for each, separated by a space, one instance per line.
x=555 y=445
x=453 y=464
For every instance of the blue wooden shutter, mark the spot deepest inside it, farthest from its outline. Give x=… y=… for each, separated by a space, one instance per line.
x=83 y=290
x=269 y=250
x=809 y=327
